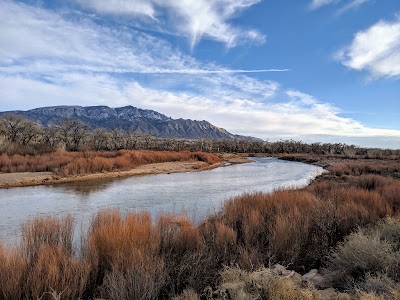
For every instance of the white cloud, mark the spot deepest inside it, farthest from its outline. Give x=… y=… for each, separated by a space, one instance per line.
x=57 y=44
x=299 y=116
x=375 y=50
x=315 y=4
x=192 y=18
x=350 y=4
x=48 y=59
x=118 y=7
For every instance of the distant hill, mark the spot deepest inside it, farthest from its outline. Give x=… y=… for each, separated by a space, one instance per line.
x=129 y=118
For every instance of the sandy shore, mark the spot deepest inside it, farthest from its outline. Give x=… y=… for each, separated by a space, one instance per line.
x=8 y=180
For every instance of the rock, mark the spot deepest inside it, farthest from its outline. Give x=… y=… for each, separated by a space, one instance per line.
x=280 y=270
x=295 y=277
x=328 y=294
x=313 y=278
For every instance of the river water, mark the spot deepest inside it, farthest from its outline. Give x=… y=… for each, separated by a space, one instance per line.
x=195 y=193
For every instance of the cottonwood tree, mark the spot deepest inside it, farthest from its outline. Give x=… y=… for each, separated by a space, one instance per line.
x=71 y=132
x=49 y=136
x=99 y=140
x=17 y=129
x=147 y=139
x=30 y=131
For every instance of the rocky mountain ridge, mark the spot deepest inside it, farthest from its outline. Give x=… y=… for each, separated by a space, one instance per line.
x=129 y=118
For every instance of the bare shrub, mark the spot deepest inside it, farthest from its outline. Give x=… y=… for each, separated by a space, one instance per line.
x=189 y=262
x=123 y=253
x=47 y=230
x=360 y=254
x=142 y=280
x=388 y=230
x=79 y=163
x=56 y=271
x=13 y=270
x=188 y=294
x=379 y=284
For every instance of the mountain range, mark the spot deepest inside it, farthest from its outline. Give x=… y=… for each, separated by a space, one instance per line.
x=129 y=118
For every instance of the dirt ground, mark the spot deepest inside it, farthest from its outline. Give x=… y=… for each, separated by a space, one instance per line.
x=8 y=180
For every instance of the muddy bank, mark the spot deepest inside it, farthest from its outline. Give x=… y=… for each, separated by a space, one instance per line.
x=8 y=180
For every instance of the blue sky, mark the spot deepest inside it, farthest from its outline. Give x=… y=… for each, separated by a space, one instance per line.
x=311 y=70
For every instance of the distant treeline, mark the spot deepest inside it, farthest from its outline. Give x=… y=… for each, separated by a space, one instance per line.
x=19 y=135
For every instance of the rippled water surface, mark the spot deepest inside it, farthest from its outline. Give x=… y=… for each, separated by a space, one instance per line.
x=197 y=193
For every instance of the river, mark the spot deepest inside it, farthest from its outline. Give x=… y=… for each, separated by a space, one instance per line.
x=195 y=193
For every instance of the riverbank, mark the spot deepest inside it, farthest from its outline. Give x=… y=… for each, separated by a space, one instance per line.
x=307 y=229
x=339 y=167
x=21 y=179
x=10 y=180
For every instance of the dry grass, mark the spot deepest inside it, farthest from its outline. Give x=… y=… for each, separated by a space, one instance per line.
x=368 y=260
x=13 y=268
x=47 y=231
x=129 y=256
x=78 y=163
x=123 y=255
x=43 y=263
x=56 y=271
x=262 y=284
x=295 y=227
x=364 y=167
x=358 y=256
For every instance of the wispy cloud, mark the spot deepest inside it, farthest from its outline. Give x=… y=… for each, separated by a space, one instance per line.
x=49 y=59
x=194 y=19
x=375 y=50
x=124 y=7
x=58 y=44
x=346 y=6
x=352 y=5
x=315 y=4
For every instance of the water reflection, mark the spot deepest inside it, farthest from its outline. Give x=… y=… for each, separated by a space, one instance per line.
x=197 y=193
x=85 y=189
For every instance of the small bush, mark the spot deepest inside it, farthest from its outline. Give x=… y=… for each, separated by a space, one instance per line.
x=379 y=284
x=49 y=231
x=364 y=257
x=123 y=254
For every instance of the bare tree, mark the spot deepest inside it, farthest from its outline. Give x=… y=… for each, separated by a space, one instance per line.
x=50 y=136
x=17 y=129
x=71 y=132
x=99 y=139
x=148 y=138
x=29 y=132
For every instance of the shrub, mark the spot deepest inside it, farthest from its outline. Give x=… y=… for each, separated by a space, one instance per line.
x=123 y=253
x=362 y=254
x=47 y=230
x=13 y=270
x=379 y=284
x=56 y=271
x=79 y=163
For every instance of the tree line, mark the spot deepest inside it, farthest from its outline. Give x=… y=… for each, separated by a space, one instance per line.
x=23 y=136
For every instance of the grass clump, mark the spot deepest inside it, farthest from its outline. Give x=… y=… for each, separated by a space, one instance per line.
x=368 y=260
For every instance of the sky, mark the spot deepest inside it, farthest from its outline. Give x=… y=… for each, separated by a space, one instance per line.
x=309 y=70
